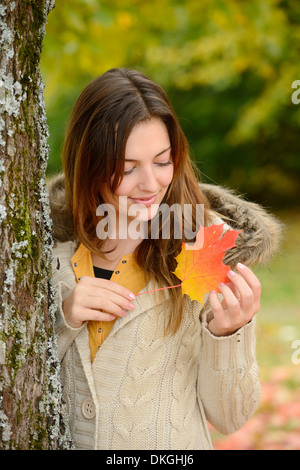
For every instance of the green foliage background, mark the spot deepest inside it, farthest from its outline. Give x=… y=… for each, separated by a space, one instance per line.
x=227 y=65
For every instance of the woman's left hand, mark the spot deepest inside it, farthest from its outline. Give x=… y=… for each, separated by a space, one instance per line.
x=241 y=301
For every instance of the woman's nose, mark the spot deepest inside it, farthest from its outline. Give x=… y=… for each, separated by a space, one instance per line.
x=148 y=181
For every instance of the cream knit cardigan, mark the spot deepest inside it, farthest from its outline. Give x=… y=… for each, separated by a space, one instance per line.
x=151 y=392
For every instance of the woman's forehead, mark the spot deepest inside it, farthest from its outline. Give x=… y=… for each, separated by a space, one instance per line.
x=151 y=135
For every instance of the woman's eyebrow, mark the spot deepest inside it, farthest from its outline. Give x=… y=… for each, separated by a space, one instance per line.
x=160 y=153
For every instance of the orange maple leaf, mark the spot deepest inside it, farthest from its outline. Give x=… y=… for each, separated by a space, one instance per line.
x=201 y=270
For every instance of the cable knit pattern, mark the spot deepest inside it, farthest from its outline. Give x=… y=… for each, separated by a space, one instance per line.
x=149 y=391
x=229 y=367
x=139 y=388
x=183 y=384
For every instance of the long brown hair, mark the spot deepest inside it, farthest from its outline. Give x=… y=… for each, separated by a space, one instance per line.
x=103 y=117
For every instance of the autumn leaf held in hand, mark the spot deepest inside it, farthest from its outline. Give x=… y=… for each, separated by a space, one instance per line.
x=201 y=270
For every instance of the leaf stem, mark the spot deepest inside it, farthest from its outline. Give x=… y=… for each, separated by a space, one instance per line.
x=149 y=291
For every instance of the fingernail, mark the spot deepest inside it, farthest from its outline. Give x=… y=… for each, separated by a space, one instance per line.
x=241 y=266
x=231 y=274
x=132 y=306
x=132 y=296
x=221 y=284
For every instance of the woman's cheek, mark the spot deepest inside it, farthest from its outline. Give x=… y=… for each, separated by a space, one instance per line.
x=166 y=179
x=124 y=189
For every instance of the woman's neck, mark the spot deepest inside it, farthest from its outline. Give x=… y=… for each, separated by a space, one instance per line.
x=120 y=249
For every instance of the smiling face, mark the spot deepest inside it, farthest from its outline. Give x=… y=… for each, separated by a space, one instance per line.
x=148 y=169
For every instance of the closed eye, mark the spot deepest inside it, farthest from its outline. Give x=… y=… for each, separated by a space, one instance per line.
x=164 y=164
x=128 y=172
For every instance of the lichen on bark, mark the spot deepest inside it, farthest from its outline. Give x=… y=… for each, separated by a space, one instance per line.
x=31 y=407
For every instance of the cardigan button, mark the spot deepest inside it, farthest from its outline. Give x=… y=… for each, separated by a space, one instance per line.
x=88 y=408
x=117 y=272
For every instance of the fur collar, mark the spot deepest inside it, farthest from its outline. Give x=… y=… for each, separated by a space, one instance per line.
x=256 y=244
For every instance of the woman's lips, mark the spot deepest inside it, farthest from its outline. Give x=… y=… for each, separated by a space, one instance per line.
x=145 y=201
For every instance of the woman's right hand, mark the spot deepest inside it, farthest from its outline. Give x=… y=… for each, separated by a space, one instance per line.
x=92 y=297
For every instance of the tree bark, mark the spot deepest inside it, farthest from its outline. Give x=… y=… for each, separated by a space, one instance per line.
x=31 y=407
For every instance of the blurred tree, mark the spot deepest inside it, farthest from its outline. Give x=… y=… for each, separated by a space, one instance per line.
x=227 y=65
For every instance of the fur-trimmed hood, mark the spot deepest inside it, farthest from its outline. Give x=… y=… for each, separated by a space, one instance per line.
x=261 y=231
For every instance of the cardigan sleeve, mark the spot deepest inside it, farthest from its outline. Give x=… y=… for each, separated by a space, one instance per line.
x=63 y=281
x=228 y=381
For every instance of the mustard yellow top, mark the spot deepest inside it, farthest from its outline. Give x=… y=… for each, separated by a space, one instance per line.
x=128 y=274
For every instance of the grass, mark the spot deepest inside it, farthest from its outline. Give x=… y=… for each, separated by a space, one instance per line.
x=276 y=424
x=279 y=319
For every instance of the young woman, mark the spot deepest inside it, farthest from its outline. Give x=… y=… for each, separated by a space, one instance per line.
x=147 y=371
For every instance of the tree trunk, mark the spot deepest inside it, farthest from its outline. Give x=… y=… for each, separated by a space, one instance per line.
x=31 y=408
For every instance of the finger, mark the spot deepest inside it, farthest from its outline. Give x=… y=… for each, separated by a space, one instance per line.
x=100 y=298
x=234 y=289
x=232 y=303
x=216 y=307
x=108 y=307
x=97 y=315
x=252 y=281
x=220 y=323
x=249 y=277
x=246 y=297
x=106 y=284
